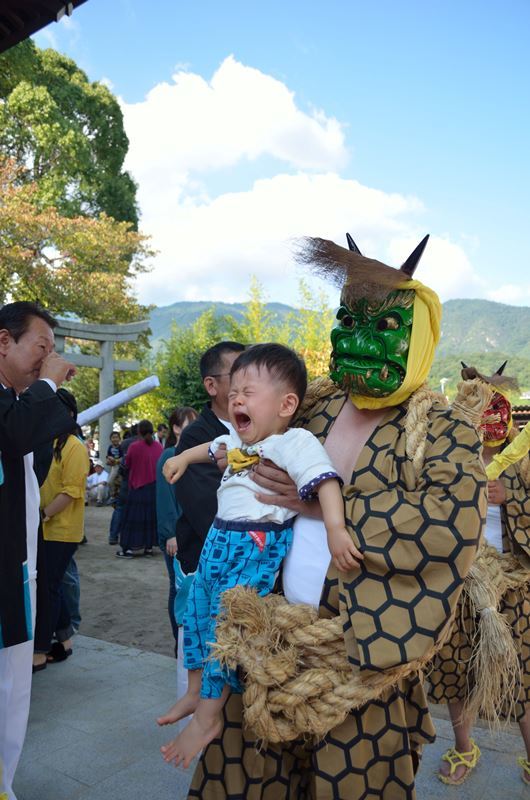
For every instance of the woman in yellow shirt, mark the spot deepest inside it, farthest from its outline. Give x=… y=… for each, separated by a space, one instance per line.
x=63 y=510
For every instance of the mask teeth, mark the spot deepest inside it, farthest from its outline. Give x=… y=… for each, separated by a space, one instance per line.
x=383 y=375
x=369 y=373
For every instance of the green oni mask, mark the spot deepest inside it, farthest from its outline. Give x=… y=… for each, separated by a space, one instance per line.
x=371 y=344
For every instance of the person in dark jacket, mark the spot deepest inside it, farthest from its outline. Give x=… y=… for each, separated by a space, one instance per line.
x=167 y=508
x=31 y=415
x=196 y=492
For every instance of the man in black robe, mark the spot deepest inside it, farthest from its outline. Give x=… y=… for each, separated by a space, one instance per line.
x=30 y=416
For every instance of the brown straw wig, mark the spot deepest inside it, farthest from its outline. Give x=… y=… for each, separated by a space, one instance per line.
x=497 y=381
x=357 y=276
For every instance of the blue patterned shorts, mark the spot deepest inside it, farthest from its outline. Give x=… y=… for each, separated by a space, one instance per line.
x=234 y=553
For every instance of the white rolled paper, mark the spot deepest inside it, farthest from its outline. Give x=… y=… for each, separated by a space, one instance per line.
x=117 y=400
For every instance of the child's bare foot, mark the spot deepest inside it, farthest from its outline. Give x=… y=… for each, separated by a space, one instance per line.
x=182 y=708
x=194 y=738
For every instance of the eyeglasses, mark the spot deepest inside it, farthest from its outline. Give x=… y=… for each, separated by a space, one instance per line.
x=220 y=375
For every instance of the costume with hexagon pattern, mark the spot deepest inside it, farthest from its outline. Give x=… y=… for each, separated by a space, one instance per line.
x=506 y=551
x=414 y=505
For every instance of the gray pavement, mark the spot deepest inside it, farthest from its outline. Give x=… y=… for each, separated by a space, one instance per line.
x=92 y=735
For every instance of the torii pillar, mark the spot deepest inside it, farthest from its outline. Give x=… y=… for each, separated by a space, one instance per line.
x=106 y=335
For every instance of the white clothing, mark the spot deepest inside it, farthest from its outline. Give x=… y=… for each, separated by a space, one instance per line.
x=306 y=564
x=16 y=661
x=228 y=424
x=493 y=529
x=296 y=451
x=94 y=480
x=32 y=514
x=15 y=692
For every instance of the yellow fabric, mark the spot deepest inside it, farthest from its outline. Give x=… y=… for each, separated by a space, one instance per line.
x=515 y=451
x=424 y=337
x=238 y=460
x=67 y=476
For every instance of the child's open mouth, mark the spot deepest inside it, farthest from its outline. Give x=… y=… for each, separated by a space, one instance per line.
x=242 y=422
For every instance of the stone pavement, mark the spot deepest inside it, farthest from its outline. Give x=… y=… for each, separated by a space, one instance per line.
x=93 y=736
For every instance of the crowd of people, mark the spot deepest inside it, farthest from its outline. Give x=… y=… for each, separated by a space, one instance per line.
x=363 y=496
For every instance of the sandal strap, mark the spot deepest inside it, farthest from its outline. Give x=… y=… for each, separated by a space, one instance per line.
x=525 y=764
x=457 y=759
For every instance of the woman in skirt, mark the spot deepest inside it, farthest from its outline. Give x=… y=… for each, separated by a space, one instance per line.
x=138 y=529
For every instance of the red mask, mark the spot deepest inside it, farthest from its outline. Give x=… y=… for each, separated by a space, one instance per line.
x=496 y=420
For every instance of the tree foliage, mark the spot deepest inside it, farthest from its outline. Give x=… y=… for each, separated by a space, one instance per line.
x=65 y=134
x=177 y=361
x=72 y=265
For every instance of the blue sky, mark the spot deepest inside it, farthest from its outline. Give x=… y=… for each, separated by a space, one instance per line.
x=386 y=119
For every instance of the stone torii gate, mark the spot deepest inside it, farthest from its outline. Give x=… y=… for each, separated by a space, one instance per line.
x=106 y=335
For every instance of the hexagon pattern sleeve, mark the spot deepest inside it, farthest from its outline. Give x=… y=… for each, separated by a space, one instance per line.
x=419 y=538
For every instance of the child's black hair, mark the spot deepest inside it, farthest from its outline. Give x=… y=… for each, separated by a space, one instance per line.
x=282 y=363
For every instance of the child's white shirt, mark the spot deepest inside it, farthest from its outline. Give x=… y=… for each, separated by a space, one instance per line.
x=296 y=451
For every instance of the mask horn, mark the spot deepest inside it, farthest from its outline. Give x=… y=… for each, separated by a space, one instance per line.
x=351 y=244
x=413 y=260
x=501 y=368
x=464 y=365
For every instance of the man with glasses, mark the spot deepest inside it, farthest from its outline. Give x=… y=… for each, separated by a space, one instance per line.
x=196 y=492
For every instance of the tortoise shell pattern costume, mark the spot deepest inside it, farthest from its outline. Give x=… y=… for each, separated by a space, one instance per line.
x=408 y=530
x=449 y=679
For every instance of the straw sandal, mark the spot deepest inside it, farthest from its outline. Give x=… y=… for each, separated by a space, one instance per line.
x=456 y=759
x=525 y=777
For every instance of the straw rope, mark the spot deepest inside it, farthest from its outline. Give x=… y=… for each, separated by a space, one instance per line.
x=472 y=399
x=494 y=659
x=299 y=681
x=417 y=424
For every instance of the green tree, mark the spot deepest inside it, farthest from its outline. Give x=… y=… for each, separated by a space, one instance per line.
x=177 y=366
x=65 y=133
x=308 y=330
x=177 y=361
x=73 y=265
x=258 y=324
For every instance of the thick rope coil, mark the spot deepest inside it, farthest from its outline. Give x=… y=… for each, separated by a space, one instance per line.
x=299 y=681
x=291 y=690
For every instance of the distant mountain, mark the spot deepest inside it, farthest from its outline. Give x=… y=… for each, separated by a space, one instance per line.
x=481 y=326
x=468 y=326
x=184 y=313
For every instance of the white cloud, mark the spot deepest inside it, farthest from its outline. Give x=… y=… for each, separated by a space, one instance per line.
x=194 y=125
x=210 y=249
x=511 y=294
x=444 y=266
x=210 y=242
